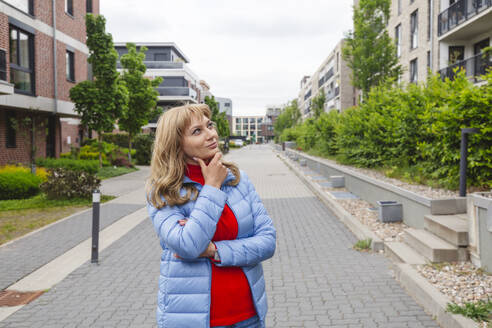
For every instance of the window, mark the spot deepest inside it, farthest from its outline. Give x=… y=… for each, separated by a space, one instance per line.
x=70 y=66
x=398 y=40
x=88 y=6
x=10 y=130
x=245 y=120
x=413 y=71
x=456 y=54
x=414 y=30
x=3 y=65
x=21 y=60
x=238 y=127
x=238 y=120
x=429 y=19
x=227 y=105
x=161 y=57
x=69 y=7
x=429 y=59
x=24 y=5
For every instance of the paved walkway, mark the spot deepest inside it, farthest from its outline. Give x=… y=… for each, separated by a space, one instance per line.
x=25 y=255
x=315 y=279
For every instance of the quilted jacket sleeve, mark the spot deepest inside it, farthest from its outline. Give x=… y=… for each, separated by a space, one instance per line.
x=251 y=250
x=190 y=240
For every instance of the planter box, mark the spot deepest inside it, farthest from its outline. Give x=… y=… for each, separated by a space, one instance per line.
x=337 y=181
x=480 y=229
x=390 y=211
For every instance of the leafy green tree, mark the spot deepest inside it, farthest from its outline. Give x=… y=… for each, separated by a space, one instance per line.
x=219 y=118
x=318 y=104
x=290 y=117
x=368 y=50
x=142 y=94
x=102 y=101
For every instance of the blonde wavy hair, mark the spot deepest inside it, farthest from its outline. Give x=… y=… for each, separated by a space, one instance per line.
x=168 y=165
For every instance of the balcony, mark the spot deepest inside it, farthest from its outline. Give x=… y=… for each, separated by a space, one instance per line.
x=473 y=66
x=462 y=11
x=158 y=65
x=176 y=92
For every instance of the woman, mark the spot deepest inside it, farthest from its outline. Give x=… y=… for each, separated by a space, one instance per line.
x=212 y=227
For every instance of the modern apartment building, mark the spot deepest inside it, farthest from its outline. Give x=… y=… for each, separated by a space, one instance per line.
x=180 y=84
x=248 y=127
x=42 y=55
x=333 y=77
x=266 y=128
x=440 y=36
x=225 y=106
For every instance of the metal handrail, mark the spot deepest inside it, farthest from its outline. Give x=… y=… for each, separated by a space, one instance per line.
x=460 y=12
x=473 y=66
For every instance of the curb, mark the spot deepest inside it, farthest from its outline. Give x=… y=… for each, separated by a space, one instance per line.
x=429 y=297
x=415 y=285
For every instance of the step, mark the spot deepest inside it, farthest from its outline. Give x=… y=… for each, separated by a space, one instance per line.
x=452 y=228
x=403 y=253
x=430 y=246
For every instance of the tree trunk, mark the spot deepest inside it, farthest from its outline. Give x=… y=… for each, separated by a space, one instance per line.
x=99 y=138
x=130 y=148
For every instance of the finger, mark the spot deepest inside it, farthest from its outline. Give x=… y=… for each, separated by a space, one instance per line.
x=216 y=158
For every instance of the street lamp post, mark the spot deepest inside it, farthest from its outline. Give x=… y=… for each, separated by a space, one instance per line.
x=463 y=157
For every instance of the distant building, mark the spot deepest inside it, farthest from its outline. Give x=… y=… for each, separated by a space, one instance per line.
x=180 y=84
x=248 y=127
x=266 y=127
x=333 y=77
x=225 y=106
x=37 y=117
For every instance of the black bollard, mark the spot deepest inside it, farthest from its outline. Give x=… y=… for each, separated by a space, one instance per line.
x=96 y=200
x=463 y=158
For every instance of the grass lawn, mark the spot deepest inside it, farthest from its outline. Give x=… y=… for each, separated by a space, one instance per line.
x=21 y=216
x=107 y=172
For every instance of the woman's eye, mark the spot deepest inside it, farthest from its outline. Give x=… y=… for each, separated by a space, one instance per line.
x=196 y=131
x=211 y=125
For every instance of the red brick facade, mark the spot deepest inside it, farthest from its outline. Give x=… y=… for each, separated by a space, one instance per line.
x=73 y=27
x=21 y=153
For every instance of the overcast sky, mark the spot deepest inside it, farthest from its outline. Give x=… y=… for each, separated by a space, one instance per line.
x=254 y=52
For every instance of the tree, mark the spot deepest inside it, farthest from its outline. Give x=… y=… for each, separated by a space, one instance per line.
x=318 y=103
x=289 y=117
x=102 y=101
x=219 y=118
x=142 y=95
x=368 y=50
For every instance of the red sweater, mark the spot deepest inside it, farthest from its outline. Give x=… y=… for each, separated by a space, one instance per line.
x=231 y=299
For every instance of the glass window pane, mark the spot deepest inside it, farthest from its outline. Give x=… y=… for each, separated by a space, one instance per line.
x=21 y=80
x=13 y=46
x=24 y=50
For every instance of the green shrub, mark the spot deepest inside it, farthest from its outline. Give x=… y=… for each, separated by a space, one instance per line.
x=479 y=312
x=120 y=139
x=18 y=185
x=67 y=184
x=66 y=155
x=89 y=166
x=91 y=155
x=143 y=144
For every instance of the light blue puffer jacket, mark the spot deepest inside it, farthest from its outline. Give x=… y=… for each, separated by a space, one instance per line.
x=184 y=284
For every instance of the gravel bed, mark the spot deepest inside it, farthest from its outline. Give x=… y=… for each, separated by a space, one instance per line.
x=362 y=211
x=460 y=281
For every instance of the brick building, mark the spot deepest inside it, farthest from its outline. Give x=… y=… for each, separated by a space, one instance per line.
x=35 y=108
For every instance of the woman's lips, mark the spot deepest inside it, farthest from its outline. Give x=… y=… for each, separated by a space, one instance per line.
x=212 y=146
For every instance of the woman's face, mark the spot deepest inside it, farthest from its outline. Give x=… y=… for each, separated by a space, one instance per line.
x=200 y=140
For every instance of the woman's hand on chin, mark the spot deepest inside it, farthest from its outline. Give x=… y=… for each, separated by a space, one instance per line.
x=214 y=172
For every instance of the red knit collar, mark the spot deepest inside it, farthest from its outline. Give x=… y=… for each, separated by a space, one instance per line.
x=194 y=171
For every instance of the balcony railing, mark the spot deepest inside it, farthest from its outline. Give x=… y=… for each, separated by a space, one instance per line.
x=459 y=12
x=158 y=65
x=176 y=91
x=473 y=66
